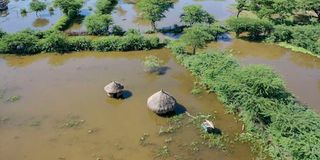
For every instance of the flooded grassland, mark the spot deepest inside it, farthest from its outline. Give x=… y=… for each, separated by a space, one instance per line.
x=63 y=112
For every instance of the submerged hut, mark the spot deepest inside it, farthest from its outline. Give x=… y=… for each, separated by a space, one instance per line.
x=114 y=89
x=3 y=5
x=161 y=102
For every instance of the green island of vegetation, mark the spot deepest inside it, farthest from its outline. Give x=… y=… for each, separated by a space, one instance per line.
x=275 y=122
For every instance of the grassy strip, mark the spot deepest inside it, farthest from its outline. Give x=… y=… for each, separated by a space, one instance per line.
x=277 y=124
x=297 y=49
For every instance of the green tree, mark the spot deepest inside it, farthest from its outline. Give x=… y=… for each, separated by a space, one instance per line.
x=70 y=8
x=195 y=14
x=255 y=27
x=311 y=5
x=105 y=6
x=153 y=10
x=197 y=36
x=37 y=6
x=98 y=24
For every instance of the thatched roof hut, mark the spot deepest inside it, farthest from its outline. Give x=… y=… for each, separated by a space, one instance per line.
x=114 y=89
x=161 y=102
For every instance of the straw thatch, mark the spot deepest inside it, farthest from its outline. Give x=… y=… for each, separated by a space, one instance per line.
x=114 y=89
x=161 y=102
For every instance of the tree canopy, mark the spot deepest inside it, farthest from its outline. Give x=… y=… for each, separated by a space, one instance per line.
x=98 y=24
x=70 y=8
x=153 y=10
x=105 y=6
x=37 y=6
x=195 y=14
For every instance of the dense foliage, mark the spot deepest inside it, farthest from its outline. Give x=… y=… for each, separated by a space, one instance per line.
x=19 y=43
x=105 y=6
x=297 y=22
x=199 y=35
x=307 y=37
x=195 y=14
x=254 y=27
x=30 y=42
x=70 y=8
x=98 y=24
x=37 y=6
x=275 y=121
x=153 y=10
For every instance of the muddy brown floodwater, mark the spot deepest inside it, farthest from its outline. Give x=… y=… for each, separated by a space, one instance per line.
x=301 y=72
x=63 y=112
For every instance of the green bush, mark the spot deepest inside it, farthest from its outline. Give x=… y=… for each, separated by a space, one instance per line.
x=152 y=64
x=110 y=43
x=98 y=24
x=117 y=30
x=62 y=24
x=70 y=8
x=105 y=6
x=2 y=33
x=80 y=43
x=254 y=27
x=55 y=42
x=19 y=43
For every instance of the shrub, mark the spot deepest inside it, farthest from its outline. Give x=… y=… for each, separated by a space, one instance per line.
x=23 y=12
x=281 y=33
x=117 y=30
x=255 y=27
x=2 y=33
x=70 y=8
x=55 y=42
x=152 y=64
x=105 y=6
x=283 y=128
x=110 y=43
x=98 y=24
x=62 y=24
x=37 y=6
x=80 y=43
x=19 y=43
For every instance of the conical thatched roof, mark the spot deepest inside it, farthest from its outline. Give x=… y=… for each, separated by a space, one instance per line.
x=161 y=102
x=113 y=87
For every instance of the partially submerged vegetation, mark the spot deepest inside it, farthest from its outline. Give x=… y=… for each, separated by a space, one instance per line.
x=273 y=118
x=295 y=22
x=152 y=64
x=31 y=42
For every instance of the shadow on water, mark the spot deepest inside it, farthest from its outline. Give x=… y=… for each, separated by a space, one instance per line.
x=179 y=109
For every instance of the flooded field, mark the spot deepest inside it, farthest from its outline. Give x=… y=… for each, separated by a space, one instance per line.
x=301 y=72
x=63 y=112
x=125 y=15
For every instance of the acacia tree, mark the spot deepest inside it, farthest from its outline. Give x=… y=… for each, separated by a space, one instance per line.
x=70 y=8
x=197 y=36
x=195 y=14
x=37 y=6
x=153 y=10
